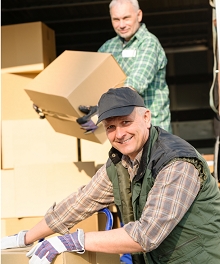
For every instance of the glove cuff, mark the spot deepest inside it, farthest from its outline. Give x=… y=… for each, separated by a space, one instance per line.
x=21 y=239
x=81 y=239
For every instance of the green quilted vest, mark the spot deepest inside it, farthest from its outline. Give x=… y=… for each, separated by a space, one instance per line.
x=196 y=238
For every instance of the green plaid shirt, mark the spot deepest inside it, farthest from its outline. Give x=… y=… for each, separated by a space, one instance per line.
x=145 y=70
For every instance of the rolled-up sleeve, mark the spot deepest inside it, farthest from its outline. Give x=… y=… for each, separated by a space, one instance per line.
x=89 y=199
x=174 y=191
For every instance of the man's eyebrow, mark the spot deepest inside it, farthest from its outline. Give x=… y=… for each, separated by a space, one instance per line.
x=108 y=120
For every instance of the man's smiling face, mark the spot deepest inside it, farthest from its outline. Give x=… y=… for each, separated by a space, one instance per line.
x=129 y=133
x=125 y=19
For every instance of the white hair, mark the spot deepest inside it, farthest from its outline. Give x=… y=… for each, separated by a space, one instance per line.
x=141 y=110
x=133 y=2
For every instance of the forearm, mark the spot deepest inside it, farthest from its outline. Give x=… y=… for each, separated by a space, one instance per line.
x=41 y=230
x=113 y=241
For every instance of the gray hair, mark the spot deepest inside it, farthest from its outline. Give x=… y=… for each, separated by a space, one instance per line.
x=133 y=2
x=140 y=110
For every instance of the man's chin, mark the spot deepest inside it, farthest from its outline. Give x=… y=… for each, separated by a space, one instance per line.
x=124 y=150
x=125 y=36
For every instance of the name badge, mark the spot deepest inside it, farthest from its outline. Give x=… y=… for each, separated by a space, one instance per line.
x=128 y=53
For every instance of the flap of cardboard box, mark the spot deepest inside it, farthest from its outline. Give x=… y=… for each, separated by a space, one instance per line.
x=75 y=78
x=72 y=79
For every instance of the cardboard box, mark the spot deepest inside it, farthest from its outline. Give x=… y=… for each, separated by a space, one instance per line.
x=72 y=128
x=18 y=256
x=12 y=256
x=10 y=226
x=87 y=257
x=38 y=186
x=72 y=79
x=33 y=141
x=91 y=151
x=28 y=47
x=210 y=160
x=7 y=193
x=16 y=104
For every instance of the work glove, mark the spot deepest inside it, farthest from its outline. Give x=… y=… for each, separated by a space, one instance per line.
x=89 y=127
x=44 y=252
x=85 y=109
x=15 y=241
x=85 y=121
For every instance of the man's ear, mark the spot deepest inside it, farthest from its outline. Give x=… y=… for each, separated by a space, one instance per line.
x=147 y=117
x=140 y=15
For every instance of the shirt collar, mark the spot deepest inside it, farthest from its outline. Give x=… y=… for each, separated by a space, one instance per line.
x=126 y=161
x=139 y=34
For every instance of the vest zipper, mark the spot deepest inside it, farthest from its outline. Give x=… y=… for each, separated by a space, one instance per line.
x=185 y=243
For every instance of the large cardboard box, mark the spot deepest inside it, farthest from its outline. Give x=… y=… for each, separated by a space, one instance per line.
x=87 y=257
x=72 y=128
x=33 y=189
x=92 y=151
x=7 y=193
x=10 y=226
x=33 y=141
x=18 y=256
x=72 y=79
x=16 y=104
x=28 y=47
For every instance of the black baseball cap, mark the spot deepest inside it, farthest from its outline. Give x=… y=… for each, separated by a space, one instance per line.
x=118 y=102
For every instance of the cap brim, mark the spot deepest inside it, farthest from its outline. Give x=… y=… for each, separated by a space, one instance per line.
x=120 y=111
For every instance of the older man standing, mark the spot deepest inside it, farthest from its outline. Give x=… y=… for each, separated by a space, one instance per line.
x=141 y=56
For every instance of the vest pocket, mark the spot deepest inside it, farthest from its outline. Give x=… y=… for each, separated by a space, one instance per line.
x=189 y=252
x=117 y=199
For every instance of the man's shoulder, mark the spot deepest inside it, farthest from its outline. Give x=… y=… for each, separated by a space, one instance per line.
x=146 y=40
x=109 y=43
x=144 y=33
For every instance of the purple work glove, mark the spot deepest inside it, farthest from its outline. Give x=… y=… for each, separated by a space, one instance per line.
x=85 y=121
x=44 y=252
x=89 y=126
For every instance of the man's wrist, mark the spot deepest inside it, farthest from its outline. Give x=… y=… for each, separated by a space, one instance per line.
x=21 y=239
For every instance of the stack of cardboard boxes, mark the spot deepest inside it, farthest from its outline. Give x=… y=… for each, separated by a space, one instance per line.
x=18 y=257
x=40 y=163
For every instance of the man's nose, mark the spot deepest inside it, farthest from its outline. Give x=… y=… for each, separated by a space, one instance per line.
x=122 y=23
x=119 y=132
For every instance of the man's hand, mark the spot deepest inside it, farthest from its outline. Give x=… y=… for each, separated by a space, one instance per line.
x=15 y=241
x=44 y=252
x=85 y=121
x=89 y=127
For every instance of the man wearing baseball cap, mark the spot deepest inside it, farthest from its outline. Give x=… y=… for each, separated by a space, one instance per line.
x=168 y=200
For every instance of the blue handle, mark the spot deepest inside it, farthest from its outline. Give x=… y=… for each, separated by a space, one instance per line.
x=109 y=222
x=109 y=216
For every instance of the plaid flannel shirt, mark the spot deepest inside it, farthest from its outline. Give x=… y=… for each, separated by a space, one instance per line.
x=174 y=190
x=145 y=71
